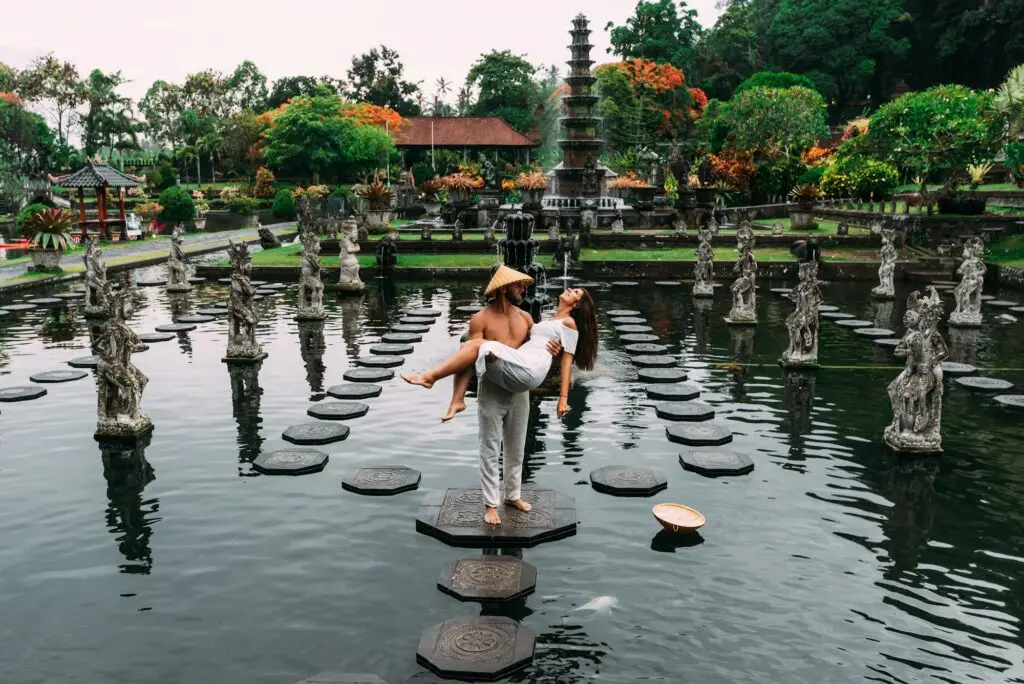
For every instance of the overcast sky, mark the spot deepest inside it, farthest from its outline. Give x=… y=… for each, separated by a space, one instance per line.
x=148 y=39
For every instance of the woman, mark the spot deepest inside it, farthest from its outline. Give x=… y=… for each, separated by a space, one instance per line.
x=574 y=325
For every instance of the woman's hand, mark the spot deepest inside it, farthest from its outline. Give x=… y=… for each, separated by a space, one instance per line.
x=563 y=407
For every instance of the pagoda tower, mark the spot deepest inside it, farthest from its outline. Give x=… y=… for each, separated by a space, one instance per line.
x=579 y=174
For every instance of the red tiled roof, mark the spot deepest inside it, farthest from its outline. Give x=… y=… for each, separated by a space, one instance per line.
x=460 y=131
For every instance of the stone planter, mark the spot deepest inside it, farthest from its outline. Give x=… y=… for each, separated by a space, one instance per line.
x=687 y=200
x=432 y=208
x=964 y=205
x=45 y=259
x=705 y=196
x=199 y=223
x=802 y=219
x=378 y=219
x=532 y=197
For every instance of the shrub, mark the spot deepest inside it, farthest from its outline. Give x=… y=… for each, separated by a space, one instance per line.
x=284 y=205
x=28 y=211
x=860 y=177
x=178 y=205
x=162 y=176
x=837 y=184
x=774 y=180
x=264 y=186
x=240 y=204
x=775 y=79
x=421 y=171
x=1015 y=161
x=812 y=176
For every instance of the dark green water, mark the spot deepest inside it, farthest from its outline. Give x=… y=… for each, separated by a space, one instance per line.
x=831 y=562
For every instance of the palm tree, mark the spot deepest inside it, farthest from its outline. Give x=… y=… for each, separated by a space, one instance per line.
x=443 y=87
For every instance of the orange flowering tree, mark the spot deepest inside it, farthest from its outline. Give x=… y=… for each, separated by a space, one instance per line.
x=645 y=101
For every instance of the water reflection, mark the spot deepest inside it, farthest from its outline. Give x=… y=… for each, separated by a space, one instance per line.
x=702 y=324
x=129 y=516
x=884 y=311
x=742 y=338
x=350 y=306
x=798 y=398
x=59 y=325
x=667 y=542
x=246 y=395
x=909 y=522
x=964 y=344
x=312 y=346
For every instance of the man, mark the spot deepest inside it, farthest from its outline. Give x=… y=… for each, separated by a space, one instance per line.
x=502 y=416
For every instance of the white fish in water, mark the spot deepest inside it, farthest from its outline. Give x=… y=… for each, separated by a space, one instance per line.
x=600 y=604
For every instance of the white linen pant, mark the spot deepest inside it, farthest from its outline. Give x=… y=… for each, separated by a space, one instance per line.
x=502 y=417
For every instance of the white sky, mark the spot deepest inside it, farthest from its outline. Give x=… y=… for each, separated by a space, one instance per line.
x=154 y=39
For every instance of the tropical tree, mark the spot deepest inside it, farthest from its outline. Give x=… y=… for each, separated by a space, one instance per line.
x=770 y=123
x=246 y=88
x=161 y=107
x=292 y=86
x=659 y=31
x=56 y=87
x=377 y=77
x=108 y=121
x=505 y=88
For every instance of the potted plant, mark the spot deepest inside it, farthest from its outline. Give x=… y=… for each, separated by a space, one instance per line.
x=461 y=187
x=532 y=187
x=50 y=234
x=430 y=190
x=202 y=207
x=148 y=211
x=805 y=195
x=378 y=197
x=246 y=207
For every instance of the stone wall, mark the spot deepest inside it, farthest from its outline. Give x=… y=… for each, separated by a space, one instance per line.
x=1008 y=276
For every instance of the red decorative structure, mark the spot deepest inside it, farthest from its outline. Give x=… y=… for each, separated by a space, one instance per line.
x=98 y=176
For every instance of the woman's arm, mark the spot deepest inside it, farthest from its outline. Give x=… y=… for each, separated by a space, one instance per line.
x=563 y=391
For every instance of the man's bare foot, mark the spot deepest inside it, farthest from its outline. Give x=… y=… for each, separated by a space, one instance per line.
x=414 y=379
x=521 y=505
x=454 y=408
x=491 y=516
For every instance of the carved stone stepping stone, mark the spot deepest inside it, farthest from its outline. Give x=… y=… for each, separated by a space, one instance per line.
x=401 y=337
x=270 y=286
x=942 y=283
x=685 y=411
x=311 y=434
x=18 y=308
x=1015 y=401
x=633 y=328
x=986 y=298
x=58 y=376
x=456 y=517
x=624 y=283
x=683 y=391
x=175 y=327
x=1000 y=303
x=654 y=360
x=888 y=341
x=338 y=410
x=254 y=283
x=70 y=296
x=424 y=313
x=827 y=308
x=639 y=337
x=873 y=332
x=589 y=285
x=194 y=318
x=368 y=374
x=227 y=281
x=661 y=374
x=856 y=323
x=416 y=320
x=261 y=292
x=627 y=481
x=943 y=288
x=258 y=297
x=392 y=349
x=213 y=311
x=150 y=338
x=382 y=481
x=781 y=291
x=290 y=462
x=11 y=394
x=373 y=361
x=355 y=390
x=983 y=384
x=477 y=648
x=629 y=320
x=954 y=368
x=623 y=312
x=196 y=280
x=488 y=579
x=343 y=678
x=139 y=348
x=716 y=463
x=836 y=315
x=46 y=301
x=4 y=313
x=410 y=328
x=151 y=282
x=84 y=361
x=563 y=278
x=468 y=309
x=646 y=348
x=703 y=434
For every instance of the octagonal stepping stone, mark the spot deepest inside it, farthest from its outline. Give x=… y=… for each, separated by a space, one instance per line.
x=685 y=411
x=941 y=288
x=937 y=283
x=270 y=286
x=488 y=579
x=564 y=278
x=855 y=323
x=661 y=374
x=633 y=328
x=151 y=282
x=646 y=348
x=627 y=481
x=382 y=481
x=716 y=463
x=84 y=361
x=986 y=298
x=702 y=434
x=477 y=648
x=836 y=315
x=418 y=329
x=401 y=337
x=70 y=296
x=290 y=462
x=196 y=280
x=999 y=303
x=261 y=292
x=781 y=291
x=872 y=332
x=338 y=410
x=468 y=309
x=954 y=368
x=629 y=320
x=258 y=297
x=11 y=394
x=176 y=327
x=639 y=337
x=368 y=374
x=46 y=301
x=392 y=349
x=589 y=285
x=456 y=517
x=983 y=384
x=139 y=348
x=424 y=313
x=150 y=338
x=374 y=361
x=18 y=308
x=194 y=318
x=311 y=434
x=624 y=283
x=888 y=341
x=58 y=376
x=416 y=320
x=254 y=283
x=683 y=391
x=654 y=360
x=1015 y=401
x=827 y=308
x=355 y=390
x=213 y=311
x=623 y=312
x=343 y=678
x=227 y=281
x=667 y=283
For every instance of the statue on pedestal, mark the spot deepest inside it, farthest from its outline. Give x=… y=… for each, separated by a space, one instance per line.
x=886 y=289
x=120 y=384
x=242 y=318
x=552 y=224
x=744 y=297
x=916 y=394
x=803 y=322
x=95 y=280
x=349 y=281
x=267 y=239
x=968 y=291
x=704 y=272
x=177 y=279
x=311 y=287
x=618 y=225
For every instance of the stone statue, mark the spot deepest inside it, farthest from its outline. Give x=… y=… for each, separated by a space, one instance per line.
x=177 y=279
x=311 y=287
x=618 y=225
x=489 y=232
x=588 y=221
x=777 y=230
x=349 y=280
x=552 y=222
x=704 y=272
x=568 y=249
x=968 y=291
x=590 y=182
x=803 y=322
x=886 y=289
x=242 y=319
x=489 y=173
x=680 y=225
x=95 y=280
x=267 y=239
x=916 y=394
x=713 y=226
x=120 y=384
x=843 y=229
x=744 y=298
x=458 y=227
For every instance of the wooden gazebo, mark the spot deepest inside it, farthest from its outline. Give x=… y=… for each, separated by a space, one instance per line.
x=98 y=175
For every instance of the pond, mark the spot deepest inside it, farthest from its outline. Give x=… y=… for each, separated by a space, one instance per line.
x=832 y=561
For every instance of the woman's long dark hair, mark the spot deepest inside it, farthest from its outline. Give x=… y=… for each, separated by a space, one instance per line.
x=585 y=316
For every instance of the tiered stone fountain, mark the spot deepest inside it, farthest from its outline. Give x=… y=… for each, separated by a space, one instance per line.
x=518 y=249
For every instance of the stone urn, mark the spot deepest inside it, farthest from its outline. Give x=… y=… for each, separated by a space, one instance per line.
x=45 y=259
x=533 y=197
x=377 y=219
x=432 y=208
x=248 y=221
x=802 y=217
x=199 y=223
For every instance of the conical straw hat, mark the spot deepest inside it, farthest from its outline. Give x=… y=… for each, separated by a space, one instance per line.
x=506 y=276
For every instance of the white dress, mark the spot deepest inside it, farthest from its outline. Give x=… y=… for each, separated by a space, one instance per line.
x=519 y=370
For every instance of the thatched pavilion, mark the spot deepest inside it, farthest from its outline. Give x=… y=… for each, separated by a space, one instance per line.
x=98 y=176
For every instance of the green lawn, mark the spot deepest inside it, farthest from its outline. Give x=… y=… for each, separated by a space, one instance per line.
x=911 y=187
x=1008 y=251
x=107 y=247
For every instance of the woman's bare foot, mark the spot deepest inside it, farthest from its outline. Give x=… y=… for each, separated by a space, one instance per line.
x=521 y=505
x=491 y=516
x=421 y=379
x=454 y=408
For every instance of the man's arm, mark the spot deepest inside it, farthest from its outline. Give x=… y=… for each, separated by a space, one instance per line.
x=477 y=326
